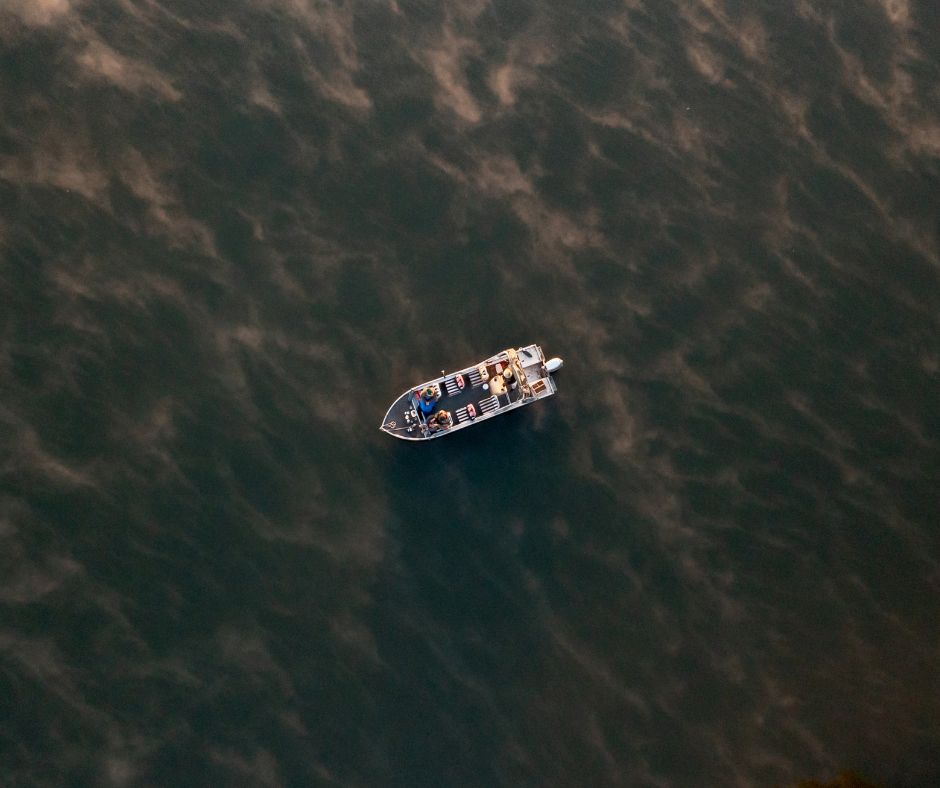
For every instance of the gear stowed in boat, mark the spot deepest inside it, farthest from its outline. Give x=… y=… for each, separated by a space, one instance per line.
x=508 y=380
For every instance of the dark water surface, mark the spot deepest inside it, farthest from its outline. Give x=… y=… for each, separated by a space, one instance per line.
x=232 y=232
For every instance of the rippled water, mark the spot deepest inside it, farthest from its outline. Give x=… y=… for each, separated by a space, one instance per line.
x=232 y=232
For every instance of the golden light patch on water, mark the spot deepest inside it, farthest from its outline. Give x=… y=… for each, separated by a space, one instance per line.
x=446 y=65
x=59 y=160
x=38 y=12
x=898 y=11
x=100 y=60
x=705 y=61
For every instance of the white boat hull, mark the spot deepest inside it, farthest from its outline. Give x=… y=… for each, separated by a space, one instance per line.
x=507 y=381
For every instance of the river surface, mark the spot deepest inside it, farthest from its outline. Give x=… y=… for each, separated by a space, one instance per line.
x=232 y=232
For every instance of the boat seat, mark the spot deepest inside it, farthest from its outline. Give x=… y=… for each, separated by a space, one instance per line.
x=488 y=405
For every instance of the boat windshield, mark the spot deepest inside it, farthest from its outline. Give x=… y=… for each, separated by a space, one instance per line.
x=518 y=372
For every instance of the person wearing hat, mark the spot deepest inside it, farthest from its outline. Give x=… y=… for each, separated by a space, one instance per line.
x=426 y=401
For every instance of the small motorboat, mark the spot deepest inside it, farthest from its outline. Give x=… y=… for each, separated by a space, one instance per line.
x=508 y=380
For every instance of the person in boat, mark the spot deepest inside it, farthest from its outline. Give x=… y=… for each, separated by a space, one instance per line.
x=427 y=400
x=440 y=421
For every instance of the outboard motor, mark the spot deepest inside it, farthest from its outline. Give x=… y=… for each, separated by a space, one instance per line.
x=553 y=365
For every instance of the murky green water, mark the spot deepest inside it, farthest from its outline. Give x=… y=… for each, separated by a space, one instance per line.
x=232 y=233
